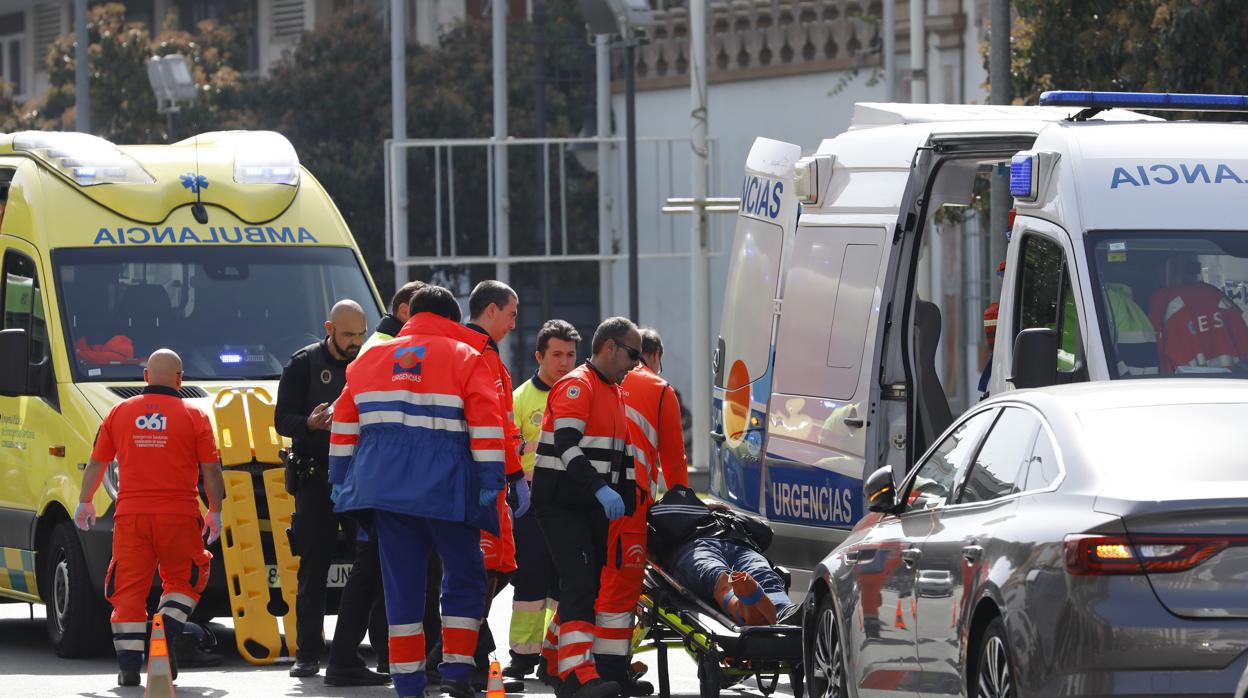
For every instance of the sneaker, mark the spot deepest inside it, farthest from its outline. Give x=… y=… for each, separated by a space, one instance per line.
x=635 y=688
x=354 y=676
x=128 y=677
x=458 y=689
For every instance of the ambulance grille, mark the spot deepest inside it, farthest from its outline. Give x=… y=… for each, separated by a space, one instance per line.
x=129 y=391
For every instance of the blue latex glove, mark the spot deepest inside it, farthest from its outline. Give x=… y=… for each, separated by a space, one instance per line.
x=334 y=493
x=521 y=488
x=612 y=503
x=487 y=497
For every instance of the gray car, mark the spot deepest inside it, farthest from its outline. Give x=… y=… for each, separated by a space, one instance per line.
x=1069 y=541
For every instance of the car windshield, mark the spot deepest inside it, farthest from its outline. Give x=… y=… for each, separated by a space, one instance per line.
x=1171 y=303
x=231 y=313
x=1191 y=443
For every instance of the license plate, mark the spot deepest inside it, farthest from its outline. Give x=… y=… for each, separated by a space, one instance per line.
x=337 y=577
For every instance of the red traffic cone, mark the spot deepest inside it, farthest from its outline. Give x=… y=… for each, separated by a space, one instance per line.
x=159 y=670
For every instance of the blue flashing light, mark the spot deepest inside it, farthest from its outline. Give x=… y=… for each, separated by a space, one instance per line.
x=1144 y=100
x=229 y=358
x=1022 y=176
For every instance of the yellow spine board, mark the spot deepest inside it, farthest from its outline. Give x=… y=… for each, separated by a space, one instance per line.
x=233 y=432
x=264 y=439
x=247 y=579
x=281 y=508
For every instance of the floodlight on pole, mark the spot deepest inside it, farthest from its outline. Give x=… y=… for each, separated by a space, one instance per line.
x=172 y=83
x=628 y=19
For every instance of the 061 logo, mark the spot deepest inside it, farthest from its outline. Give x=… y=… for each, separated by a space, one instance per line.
x=151 y=422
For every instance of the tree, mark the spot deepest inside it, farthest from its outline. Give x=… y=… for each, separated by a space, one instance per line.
x=123 y=107
x=1144 y=45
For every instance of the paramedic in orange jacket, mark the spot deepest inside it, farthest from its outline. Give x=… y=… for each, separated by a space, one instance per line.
x=162 y=446
x=417 y=447
x=582 y=477
x=658 y=444
x=492 y=310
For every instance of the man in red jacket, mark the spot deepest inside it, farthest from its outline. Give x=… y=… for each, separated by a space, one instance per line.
x=162 y=446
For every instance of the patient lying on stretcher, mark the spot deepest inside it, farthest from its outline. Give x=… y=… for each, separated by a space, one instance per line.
x=718 y=553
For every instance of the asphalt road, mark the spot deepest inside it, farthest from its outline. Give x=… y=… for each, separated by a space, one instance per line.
x=29 y=668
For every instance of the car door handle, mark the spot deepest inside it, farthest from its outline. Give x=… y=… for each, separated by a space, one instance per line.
x=851 y=556
x=911 y=555
x=854 y=422
x=973 y=553
x=718 y=437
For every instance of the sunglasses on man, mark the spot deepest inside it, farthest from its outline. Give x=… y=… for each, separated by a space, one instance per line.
x=633 y=353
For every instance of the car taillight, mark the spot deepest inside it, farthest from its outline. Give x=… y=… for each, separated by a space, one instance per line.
x=1141 y=554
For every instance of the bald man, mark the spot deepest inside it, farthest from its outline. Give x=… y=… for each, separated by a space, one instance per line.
x=311 y=383
x=162 y=446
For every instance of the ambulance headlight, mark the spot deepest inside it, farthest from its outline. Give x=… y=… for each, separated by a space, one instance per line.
x=1023 y=176
x=265 y=157
x=87 y=159
x=111 y=480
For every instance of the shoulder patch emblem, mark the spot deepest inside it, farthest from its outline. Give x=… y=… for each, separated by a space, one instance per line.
x=574 y=392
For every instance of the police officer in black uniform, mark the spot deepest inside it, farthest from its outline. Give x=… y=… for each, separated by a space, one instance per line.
x=311 y=383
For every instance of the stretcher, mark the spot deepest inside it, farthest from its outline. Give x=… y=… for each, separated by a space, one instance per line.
x=727 y=654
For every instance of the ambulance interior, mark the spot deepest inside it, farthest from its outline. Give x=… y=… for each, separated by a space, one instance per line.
x=231 y=312
x=1169 y=303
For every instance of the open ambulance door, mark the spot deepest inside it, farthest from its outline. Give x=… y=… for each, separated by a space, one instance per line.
x=745 y=354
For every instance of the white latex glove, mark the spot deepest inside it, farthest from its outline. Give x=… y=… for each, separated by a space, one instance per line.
x=84 y=516
x=212 y=526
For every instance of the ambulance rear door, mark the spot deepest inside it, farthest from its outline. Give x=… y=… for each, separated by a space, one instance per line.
x=745 y=353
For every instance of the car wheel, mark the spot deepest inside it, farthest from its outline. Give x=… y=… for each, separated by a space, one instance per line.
x=994 y=675
x=825 y=660
x=77 y=617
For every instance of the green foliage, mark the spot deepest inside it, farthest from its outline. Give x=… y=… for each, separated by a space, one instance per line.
x=1147 y=45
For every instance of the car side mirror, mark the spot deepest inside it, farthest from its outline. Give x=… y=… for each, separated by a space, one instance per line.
x=880 y=491
x=1035 y=358
x=14 y=362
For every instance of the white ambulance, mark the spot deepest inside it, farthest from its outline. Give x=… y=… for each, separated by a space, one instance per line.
x=1127 y=257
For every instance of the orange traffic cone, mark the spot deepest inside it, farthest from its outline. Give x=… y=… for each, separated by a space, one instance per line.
x=899 y=620
x=159 y=671
x=494 y=687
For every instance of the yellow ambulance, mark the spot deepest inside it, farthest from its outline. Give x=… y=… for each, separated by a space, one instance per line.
x=221 y=247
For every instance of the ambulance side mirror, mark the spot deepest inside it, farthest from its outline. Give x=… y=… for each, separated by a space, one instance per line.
x=1035 y=358
x=880 y=490
x=14 y=362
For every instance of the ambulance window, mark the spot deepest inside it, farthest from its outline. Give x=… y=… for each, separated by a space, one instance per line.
x=1046 y=299
x=23 y=309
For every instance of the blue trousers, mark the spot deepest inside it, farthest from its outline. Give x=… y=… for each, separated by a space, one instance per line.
x=698 y=564
x=405 y=543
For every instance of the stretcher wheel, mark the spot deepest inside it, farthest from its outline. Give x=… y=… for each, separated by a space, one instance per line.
x=796 y=681
x=710 y=676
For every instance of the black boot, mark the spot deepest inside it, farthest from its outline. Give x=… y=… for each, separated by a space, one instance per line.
x=128 y=677
x=594 y=688
x=189 y=654
x=520 y=666
x=354 y=676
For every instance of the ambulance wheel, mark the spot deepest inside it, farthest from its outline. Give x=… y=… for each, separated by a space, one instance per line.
x=77 y=617
x=710 y=676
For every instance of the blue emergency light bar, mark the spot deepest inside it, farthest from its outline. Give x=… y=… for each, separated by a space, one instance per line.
x=1144 y=100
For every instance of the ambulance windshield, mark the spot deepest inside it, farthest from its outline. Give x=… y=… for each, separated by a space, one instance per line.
x=1173 y=304
x=231 y=313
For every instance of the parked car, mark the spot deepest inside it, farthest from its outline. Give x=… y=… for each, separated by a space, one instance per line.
x=1077 y=540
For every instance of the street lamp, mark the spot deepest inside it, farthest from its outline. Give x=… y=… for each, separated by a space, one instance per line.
x=627 y=19
x=172 y=83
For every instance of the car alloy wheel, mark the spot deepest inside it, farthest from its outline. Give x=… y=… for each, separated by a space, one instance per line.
x=994 y=677
x=827 y=665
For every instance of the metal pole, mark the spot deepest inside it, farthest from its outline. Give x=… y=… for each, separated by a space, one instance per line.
x=999 y=82
x=602 y=56
x=398 y=113
x=630 y=137
x=890 y=50
x=82 y=86
x=502 y=198
x=918 y=52
x=699 y=246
